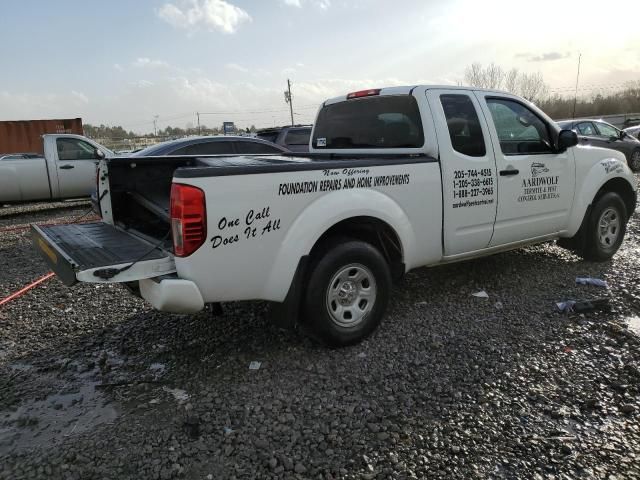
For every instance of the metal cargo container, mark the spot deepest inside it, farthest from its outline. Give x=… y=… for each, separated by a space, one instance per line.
x=23 y=136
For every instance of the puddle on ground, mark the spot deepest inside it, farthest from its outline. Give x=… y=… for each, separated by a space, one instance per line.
x=633 y=324
x=46 y=423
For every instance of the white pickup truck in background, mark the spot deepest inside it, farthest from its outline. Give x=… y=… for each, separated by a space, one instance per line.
x=397 y=178
x=67 y=170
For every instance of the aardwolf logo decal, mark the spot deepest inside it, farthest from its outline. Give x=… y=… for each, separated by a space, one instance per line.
x=538 y=168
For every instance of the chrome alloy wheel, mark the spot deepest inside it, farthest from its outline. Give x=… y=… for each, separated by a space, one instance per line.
x=351 y=295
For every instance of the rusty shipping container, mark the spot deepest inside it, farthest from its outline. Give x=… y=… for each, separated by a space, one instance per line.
x=24 y=136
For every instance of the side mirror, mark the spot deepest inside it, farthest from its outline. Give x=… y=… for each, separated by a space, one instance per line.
x=567 y=139
x=622 y=135
x=614 y=138
x=99 y=154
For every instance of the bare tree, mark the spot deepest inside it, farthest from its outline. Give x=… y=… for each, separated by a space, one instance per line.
x=494 y=76
x=528 y=85
x=490 y=77
x=532 y=86
x=511 y=80
x=473 y=75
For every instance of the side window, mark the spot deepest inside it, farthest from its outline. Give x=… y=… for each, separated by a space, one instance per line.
x=75 y=149
x=206 y=148
x=586 y=128
x=520 y=131
x=463 y=124
x=250 y=148
x=607 y=130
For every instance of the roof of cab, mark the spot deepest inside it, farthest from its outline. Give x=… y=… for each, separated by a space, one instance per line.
x=406 y=90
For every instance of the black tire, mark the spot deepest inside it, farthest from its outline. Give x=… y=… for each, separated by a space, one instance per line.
x=601 y=244
x=634 y=160
x=329 y=319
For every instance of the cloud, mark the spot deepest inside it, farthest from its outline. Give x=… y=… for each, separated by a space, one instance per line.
x=80 y=96
x=118 y=67
x=236 y=68
x=143 y=84
x=544 y=57
x=322 y=4
x=144 y=62
x=211 y=14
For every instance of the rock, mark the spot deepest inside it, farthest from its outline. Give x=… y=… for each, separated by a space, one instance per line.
x=627 y=408
x=299 y=468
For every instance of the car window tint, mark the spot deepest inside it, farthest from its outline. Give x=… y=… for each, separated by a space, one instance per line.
x=464 y=127
x=255 y=148
x=586 y=128
x=206 y=148
x=391 y=121
x=607 y=130
x=298 y=137
x=75 y=149
x=520 y=131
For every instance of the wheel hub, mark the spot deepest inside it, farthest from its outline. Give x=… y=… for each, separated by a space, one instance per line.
x=347 y=293
x=351 y=295
x=609 y=227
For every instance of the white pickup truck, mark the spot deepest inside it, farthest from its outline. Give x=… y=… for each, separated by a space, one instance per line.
x=67 y=170
x=396 y=179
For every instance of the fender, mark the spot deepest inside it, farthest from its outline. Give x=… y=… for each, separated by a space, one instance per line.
x=593 y=180
x=332 y=209
x=10 y=186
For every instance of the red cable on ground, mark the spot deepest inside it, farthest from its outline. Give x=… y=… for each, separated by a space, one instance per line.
x=15 y=295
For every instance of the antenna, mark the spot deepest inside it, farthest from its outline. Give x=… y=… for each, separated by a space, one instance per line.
x=575 y=96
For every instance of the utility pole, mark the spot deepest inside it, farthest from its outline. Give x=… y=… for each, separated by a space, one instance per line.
x=199 y=131
x=575 y=96
x=155 y=125
x=289 y=99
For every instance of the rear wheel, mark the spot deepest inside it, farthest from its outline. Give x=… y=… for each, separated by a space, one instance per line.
x=634 y=162
x=605 y=228
x=347 y=293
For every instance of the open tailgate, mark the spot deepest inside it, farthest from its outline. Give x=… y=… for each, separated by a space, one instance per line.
x=100 y=253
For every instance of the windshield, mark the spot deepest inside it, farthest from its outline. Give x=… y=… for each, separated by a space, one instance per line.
x=269 y=136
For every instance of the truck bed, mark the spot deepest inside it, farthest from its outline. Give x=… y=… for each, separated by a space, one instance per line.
x=140 y=187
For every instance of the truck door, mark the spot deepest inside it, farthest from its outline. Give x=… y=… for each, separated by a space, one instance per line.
x=468 y=170
x=76 y=167
x=535 y=183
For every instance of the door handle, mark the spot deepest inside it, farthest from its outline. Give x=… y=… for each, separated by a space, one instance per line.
x=67 y=167
x=507 y=173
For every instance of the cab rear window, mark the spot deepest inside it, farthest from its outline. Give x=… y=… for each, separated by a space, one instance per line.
x=372 y=122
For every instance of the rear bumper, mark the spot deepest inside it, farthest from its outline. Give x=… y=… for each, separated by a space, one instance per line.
x=172 y=294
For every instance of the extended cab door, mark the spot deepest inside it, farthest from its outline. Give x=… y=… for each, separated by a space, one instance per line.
x=75 y=163
x=535 y=183
x=468 y=170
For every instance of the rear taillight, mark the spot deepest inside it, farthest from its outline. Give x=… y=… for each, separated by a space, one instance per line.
x=188 y=219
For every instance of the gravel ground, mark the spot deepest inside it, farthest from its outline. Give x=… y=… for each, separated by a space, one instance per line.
x=94 y=384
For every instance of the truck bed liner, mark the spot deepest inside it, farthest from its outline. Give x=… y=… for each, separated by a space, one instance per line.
x=69 y=249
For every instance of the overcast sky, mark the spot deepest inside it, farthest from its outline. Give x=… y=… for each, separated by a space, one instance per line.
x=122 y=62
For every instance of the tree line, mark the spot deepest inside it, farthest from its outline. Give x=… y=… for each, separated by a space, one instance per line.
x=533 y=87
x=119 y=133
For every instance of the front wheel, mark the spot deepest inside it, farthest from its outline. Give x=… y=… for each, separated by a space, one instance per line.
x=347 y=293
x=634 y=162
x=606 y=227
